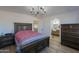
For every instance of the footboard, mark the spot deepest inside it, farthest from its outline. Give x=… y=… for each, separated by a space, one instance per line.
x=36 y=46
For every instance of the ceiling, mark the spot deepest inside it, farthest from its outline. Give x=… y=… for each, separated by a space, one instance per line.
x=51 y=10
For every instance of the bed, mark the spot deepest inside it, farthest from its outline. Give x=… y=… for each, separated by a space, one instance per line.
x=28 y=41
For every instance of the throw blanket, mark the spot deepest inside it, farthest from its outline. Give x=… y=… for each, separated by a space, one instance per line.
x=24 y=35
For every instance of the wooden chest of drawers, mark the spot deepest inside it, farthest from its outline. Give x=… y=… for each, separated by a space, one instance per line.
x=6 y=40
x=70 y=35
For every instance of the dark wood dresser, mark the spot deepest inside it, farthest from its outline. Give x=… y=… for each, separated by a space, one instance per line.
x=6 y=40
x=70 y=35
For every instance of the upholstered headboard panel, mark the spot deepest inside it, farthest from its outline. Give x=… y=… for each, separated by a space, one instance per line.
x=22 y=26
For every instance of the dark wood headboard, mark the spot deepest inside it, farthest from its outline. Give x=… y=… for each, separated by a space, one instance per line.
x=22 y=26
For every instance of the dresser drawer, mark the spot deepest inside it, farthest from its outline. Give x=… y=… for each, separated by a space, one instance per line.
x=71 y=38
x=70 y=44
x=6 y=40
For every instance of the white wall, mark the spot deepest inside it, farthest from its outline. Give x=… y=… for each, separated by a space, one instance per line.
x=45 y=25
x=7 y=20
x=69 y=18
x=66 y=18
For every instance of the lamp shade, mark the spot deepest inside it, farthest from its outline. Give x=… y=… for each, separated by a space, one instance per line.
x=35 y=26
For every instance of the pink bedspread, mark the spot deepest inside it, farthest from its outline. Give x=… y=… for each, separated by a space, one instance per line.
x=21 y=35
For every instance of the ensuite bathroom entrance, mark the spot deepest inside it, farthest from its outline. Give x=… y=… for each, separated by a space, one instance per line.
x=55 y=27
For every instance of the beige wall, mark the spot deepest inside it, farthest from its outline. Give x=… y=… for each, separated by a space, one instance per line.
x=44 y=26
x=70 y=17
x=7 y=20
x=66 y=18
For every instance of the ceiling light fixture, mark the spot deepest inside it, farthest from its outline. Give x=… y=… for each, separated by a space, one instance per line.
x=38 y=10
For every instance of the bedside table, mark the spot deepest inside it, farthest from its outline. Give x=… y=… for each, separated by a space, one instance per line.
x=6 y=40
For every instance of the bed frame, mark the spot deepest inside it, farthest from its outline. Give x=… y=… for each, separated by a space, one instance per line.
x=35 y=46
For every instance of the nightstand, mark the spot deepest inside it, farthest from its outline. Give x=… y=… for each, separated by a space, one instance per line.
x=6 y=40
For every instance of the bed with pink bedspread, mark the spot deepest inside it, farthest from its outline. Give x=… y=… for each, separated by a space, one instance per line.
x=28 y=40
x=23 y=38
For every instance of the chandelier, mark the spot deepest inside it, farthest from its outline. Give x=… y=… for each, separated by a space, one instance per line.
x=38 y=10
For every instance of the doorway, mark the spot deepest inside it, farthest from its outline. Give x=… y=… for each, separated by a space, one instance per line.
x=56 y=29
